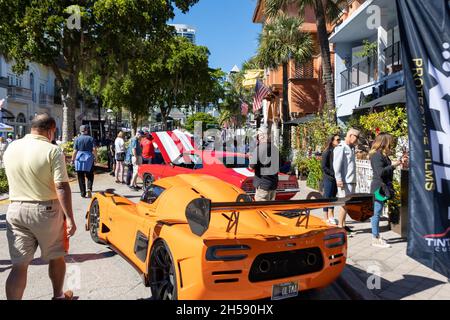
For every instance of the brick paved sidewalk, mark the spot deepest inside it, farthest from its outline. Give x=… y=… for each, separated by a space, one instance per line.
x=401 y=277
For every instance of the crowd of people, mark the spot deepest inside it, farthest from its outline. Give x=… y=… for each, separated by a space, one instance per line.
x=40 y=213
x=339 y=176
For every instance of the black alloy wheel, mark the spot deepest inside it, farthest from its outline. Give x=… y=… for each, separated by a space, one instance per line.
x=163 y=279
x=94 y=221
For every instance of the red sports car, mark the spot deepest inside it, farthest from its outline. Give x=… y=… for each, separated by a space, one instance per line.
x=175 y=155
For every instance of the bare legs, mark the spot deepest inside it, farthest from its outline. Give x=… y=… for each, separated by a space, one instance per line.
x=17 y=279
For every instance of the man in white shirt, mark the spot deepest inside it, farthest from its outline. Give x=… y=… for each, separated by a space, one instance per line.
x=344 y=164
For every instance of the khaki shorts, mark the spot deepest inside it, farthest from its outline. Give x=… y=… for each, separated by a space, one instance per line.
x=33 y=224
x=264 y=195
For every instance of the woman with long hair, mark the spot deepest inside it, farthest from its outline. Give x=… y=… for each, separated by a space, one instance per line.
x=329 y=181
x=119 y=145
x=381 y=186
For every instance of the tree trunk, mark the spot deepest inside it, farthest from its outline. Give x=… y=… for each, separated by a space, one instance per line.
x=286 y=131
x=69 y=103
x=326 y=58
x=134 y=124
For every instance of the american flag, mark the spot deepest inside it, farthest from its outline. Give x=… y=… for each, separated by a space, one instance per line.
x=244 y=108
x=260 y=92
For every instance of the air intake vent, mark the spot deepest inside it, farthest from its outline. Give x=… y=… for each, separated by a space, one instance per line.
x=219 y=273
x=272 y=266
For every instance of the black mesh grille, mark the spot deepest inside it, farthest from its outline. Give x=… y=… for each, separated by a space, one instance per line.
x=272 y=266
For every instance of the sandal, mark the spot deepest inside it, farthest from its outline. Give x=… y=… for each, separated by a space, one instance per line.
x=68 y=295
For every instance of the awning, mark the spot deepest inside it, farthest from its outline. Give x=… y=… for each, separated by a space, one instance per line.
x=398 y=96
x=250 y=78
x=302 y=120
x=6 y=128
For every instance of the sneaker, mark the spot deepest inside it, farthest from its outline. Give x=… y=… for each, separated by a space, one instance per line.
x=89 y=194
x=68 y=295
x=333 y=221
x=380 y=243
x=350 y=232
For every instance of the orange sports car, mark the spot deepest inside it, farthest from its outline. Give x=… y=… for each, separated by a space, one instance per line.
x=198 y=237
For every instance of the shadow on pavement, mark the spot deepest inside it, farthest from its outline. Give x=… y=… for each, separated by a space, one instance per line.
x=70 y=258
x=409 y=285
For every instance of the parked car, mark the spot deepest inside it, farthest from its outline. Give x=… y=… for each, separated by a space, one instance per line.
x=178 y=156
x=199 y=237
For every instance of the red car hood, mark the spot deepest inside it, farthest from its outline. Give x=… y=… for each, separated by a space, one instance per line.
x=172 y=144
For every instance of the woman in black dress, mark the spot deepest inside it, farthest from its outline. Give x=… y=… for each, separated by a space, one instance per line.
x=329 y=181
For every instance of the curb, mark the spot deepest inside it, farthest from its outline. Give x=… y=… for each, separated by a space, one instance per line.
x=354 y=287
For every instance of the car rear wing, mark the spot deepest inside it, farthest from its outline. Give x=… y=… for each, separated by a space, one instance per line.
x=198 y=212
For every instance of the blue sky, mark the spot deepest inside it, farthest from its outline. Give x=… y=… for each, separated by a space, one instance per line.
x=226 y=28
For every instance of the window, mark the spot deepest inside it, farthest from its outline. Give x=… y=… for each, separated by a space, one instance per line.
x=42 y=89
x=21 y=118
x=10 y=79
x=18 y=82
x=152 y=193
x=304 y=70
x=190 y=161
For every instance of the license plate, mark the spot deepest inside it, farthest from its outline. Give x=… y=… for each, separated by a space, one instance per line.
x=284 y=290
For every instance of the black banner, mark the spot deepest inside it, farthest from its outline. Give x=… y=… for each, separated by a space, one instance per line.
x=424 y=31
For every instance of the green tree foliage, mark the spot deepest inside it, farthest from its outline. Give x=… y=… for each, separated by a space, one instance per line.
x=281 y=41
x=316 y=132
x=73 y=36
x=173 y=74
x=205 y=118
x=390 y=120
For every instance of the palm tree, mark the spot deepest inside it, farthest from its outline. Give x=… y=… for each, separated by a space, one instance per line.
x=281 y=41
x=325 y=11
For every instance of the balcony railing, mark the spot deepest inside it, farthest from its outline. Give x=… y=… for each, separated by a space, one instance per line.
x=20 y=93
x=359 y=74
x=393 y=58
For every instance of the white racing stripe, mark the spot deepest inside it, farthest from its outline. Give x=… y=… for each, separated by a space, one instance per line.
x=244 y=172
x=184 y=140
x=169 y=145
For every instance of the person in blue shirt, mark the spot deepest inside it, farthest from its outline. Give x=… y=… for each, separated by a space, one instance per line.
x=83 y=158
x=134 y=160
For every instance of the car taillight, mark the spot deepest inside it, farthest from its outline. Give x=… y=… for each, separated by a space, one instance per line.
x=247 y=185
x=334 y=240
x=214 y=253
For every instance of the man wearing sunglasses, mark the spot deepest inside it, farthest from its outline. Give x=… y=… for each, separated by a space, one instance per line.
x=344 y=164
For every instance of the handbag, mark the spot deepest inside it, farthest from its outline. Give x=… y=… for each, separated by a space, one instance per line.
x=385 y=192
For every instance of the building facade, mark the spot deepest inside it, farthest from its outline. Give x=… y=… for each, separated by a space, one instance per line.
x=363 y=75
x=28 y=94
x=306 y=90
x=185 y=31
x=33 y=92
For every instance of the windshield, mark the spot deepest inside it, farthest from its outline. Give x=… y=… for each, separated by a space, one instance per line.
x=234 y=162
x=192 y=161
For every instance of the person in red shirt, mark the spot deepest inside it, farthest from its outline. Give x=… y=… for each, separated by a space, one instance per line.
x=148 y=150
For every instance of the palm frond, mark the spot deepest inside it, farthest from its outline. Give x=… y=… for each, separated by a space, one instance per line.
x=282 y=40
